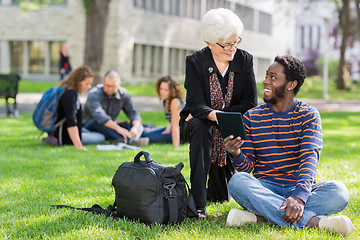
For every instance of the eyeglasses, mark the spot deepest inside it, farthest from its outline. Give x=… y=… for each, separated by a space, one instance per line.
x=227 y=47
x=110 y=86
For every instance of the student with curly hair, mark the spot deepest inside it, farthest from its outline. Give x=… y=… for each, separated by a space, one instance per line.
x=69 y=108
x=169 y=91
x=278 y=162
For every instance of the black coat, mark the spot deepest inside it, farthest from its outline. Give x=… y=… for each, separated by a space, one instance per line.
x=200 y=66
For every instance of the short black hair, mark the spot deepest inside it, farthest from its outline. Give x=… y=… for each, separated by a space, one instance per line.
x=294 y=70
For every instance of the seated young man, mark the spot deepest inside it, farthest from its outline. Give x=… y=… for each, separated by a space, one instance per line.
x=103 y=105
x=282 y=152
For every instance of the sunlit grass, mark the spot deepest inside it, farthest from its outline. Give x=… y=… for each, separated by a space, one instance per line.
x=34 y=177
x=313 y=89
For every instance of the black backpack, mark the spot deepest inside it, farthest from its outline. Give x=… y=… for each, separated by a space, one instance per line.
x=152 y=192
x=149 y=192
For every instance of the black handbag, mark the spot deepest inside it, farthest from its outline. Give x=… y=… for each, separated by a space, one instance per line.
x=151 y=192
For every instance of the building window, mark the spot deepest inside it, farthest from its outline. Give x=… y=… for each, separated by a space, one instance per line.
x=34 y=57
x=37 y=57
x=156 y=61
x=16 y=57
x=139 y=3
x=40 y=1
x=185 y=8
x=302 y=36
x=262 y=66
x=318 y=39
x=265 y=23
x=54 y=56
x=246 y=15
x=311 y=37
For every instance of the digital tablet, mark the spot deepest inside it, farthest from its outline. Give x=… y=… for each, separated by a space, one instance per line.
x=231 y=123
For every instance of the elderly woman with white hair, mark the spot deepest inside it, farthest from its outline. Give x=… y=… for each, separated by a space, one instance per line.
x=219 y=77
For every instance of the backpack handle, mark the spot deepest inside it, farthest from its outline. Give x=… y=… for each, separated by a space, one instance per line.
x=148 y=159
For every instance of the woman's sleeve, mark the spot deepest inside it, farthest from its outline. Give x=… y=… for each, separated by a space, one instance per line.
x=248 y=98
x=195 y=92
x=70 y=104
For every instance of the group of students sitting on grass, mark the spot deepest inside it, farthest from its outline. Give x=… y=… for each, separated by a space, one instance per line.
x=96 y=121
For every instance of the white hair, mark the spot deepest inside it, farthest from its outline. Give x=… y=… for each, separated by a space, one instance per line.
x=219 y=25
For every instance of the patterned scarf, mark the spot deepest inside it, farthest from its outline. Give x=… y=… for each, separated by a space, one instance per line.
x=218 y=153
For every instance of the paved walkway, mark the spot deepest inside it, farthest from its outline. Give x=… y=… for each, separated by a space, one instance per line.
x=27 y=102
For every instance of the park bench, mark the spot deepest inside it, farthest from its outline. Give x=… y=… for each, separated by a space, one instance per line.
x=9 y=89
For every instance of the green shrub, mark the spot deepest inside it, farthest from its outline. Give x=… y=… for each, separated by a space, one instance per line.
x=333 y=67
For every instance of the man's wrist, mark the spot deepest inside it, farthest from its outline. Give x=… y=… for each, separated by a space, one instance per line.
x=235 y=153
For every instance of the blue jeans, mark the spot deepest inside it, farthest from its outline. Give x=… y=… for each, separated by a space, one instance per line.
x=156 y=136
x=109 y=133
x=88 y=137
x=264 y=198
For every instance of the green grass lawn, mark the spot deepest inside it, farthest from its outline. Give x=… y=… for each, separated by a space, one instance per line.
x=312 y=88
x=139 y=89
x=33 y=177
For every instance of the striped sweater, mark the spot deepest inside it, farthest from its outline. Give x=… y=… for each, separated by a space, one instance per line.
x=283 y=147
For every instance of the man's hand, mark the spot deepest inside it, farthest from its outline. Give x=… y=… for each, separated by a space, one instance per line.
x=120 y=130
x=233 y=145
x=124 y=132
x=294 y=209
x=135 y=128
x=134 y=131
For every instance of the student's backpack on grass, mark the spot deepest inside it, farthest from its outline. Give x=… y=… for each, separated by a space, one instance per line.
x=45 y=113
x=149 y=192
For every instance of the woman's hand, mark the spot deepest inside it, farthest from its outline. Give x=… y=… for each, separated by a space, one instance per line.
x=189 y=117
x=167 y=129
x=212 y=116
x=232 y=145
x=82 y=148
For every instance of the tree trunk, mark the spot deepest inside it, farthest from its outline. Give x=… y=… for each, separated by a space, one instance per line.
x=97 y=12
x=345 y=26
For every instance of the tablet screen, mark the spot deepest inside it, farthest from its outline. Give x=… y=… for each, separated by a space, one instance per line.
x=231 y=123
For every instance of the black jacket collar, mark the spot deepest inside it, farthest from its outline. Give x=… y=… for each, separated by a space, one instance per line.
x=236 y=65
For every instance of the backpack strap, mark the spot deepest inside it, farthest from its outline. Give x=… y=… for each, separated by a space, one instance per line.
x=55 y=142
x=39 y=137
x=173 y=209
x=97 y=209
x=172 y=203
x=60 y=124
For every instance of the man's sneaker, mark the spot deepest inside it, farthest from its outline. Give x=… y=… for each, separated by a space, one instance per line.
x=337 y=224
x=141 y=142
x=237 y=217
